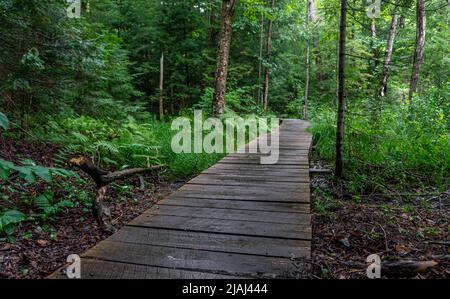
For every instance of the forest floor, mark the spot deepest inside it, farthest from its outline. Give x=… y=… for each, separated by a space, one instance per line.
x=42 y=247
x=346 y=231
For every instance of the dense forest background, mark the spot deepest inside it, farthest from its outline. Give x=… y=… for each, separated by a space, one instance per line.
x=93 y=86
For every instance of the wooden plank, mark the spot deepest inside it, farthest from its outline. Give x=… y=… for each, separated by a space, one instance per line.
x=193 y=260
x=250 y=182
x=249 y=178
x=263 y=192
x=257 y=161
x=227 y=169
x=232 y=214
x=102 y=269
x=214 y=242
x=297 y=198
x=259 y=169
x=177 y=200
x=257 y=157
x=236 y=227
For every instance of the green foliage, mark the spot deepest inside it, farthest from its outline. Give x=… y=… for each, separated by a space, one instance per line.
x=29 y=171
x=379 y=149
x=108 y=142
x=4 y=123
x=238 y=101
x=48 y=206
x=8 y=222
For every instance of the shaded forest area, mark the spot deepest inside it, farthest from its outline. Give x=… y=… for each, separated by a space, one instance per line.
x=106 y=86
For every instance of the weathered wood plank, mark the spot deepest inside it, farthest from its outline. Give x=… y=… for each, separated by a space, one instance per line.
x=177 y=200
x=232 y=214
x=236 y=227
x=193 y=260
x=272 y=193
x=248 y=182
x=214 y=242
x=259 y=169
x=261 y=196
x=236 y=179
x=103 y=269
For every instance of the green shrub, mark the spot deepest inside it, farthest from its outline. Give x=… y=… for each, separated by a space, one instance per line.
x=392 y=147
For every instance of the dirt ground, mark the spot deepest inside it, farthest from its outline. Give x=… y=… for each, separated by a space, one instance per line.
x=43 y=246
x=346 y=231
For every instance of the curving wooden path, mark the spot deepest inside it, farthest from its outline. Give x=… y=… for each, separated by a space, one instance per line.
x=237 y=219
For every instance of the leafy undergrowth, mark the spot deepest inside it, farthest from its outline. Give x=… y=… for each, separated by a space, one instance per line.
x=391 y=150
x=346 y=231
x=42 y=240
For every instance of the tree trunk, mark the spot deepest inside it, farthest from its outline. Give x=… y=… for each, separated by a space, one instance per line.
x=373 y=35
x=261 y=46
x=314 y=19
x=341 y=89
x=161 y=87
x=305 y=103
x=418 y=52
x=388 y=51
x=267 y=71
x=227 y=12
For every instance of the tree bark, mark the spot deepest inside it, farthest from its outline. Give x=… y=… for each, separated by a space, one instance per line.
x=418 y=52
x=305 y=102
x=261 y=47
x=373 y=35
x=161 y=87
x=267 y=70
x=227 y=12
x=341 y=89
x=317 y=60
x=388 y=51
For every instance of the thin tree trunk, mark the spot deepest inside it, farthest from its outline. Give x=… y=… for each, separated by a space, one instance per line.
x=267 y=71
x=314 y=19
x=388 y=51
x=305 y=103
x=341 y=89
x=373 y=36
x=161 y=87
x=261 y=46
x=418 y=52
x=227 y=12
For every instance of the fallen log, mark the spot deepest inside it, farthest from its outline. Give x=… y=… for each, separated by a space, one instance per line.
x=406 y=268
x=399 y=269
x=102 y=179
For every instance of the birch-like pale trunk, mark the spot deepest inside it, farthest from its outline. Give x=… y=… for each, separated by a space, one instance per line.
x=388 y=52
x=161 y=87
x=267 y=70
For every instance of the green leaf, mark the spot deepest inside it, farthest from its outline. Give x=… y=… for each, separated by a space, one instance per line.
x=4 y=173
x=9 y=220
x=44 y=201
x=9 y=229
x=43 y=173
x=4 y=122
x=12 y=216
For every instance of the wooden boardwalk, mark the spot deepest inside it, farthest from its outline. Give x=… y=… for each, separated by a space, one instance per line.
x=237 y=219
